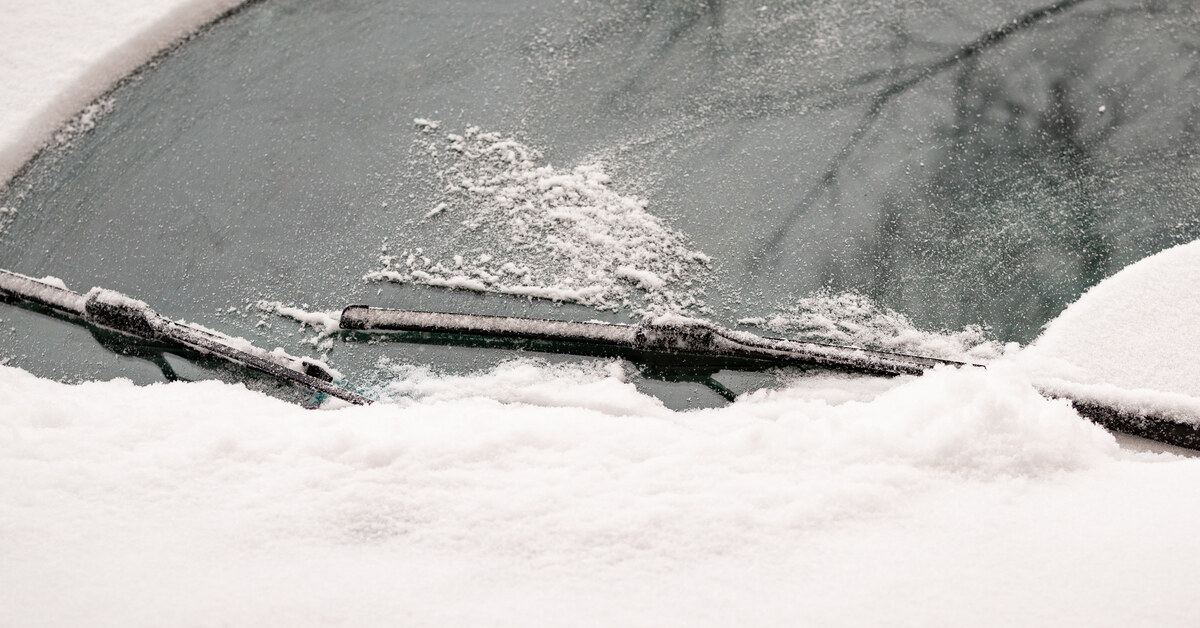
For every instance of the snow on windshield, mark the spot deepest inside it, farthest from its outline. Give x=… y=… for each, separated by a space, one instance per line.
x=528 y=229
x=853 y=319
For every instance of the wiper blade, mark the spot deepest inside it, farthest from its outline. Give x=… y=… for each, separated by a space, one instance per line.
x=661 y=334
x=693 y=337
x=113 y=310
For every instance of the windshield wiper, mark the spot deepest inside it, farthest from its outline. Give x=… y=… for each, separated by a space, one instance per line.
x=680 y=339
x=661 y=334
x=688 y=337
x=109 y=309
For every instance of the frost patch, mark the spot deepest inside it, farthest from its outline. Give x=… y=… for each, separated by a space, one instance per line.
x=7 y=215
x=855 y=320
x=426 y=125
x=529 y=229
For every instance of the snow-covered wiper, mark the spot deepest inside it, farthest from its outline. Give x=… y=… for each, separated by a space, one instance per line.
x=698 y=338
x=112 y=310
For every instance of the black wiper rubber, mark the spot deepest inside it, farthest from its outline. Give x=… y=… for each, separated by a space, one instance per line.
x=112 y=310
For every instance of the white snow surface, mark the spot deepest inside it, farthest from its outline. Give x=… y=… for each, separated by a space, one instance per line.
x=1119 y=333
x=1131 y=341
x=325 y=323
x=546 y=495
x=563 y=496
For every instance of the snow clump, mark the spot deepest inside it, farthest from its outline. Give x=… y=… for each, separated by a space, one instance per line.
x=533 y=230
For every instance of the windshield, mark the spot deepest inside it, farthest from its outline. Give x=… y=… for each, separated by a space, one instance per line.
x=800 y=169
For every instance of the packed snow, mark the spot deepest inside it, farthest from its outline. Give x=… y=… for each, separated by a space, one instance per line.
x=1131 y=341
x=564 y=496
x=560 y=495
x=1118 y=332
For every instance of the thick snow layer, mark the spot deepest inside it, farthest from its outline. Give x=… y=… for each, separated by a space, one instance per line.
x=562 y=496
x=1130 y=342
x=1120 y=333
x=57 y=56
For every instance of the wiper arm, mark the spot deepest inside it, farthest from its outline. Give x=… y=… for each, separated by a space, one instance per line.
x=112 y=310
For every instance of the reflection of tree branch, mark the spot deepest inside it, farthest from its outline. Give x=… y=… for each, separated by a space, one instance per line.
x=830 y=95
x=693 y=18
x=834 y=94
x=890 y=92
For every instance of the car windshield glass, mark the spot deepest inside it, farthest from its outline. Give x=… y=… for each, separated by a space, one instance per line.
x=962 y=169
